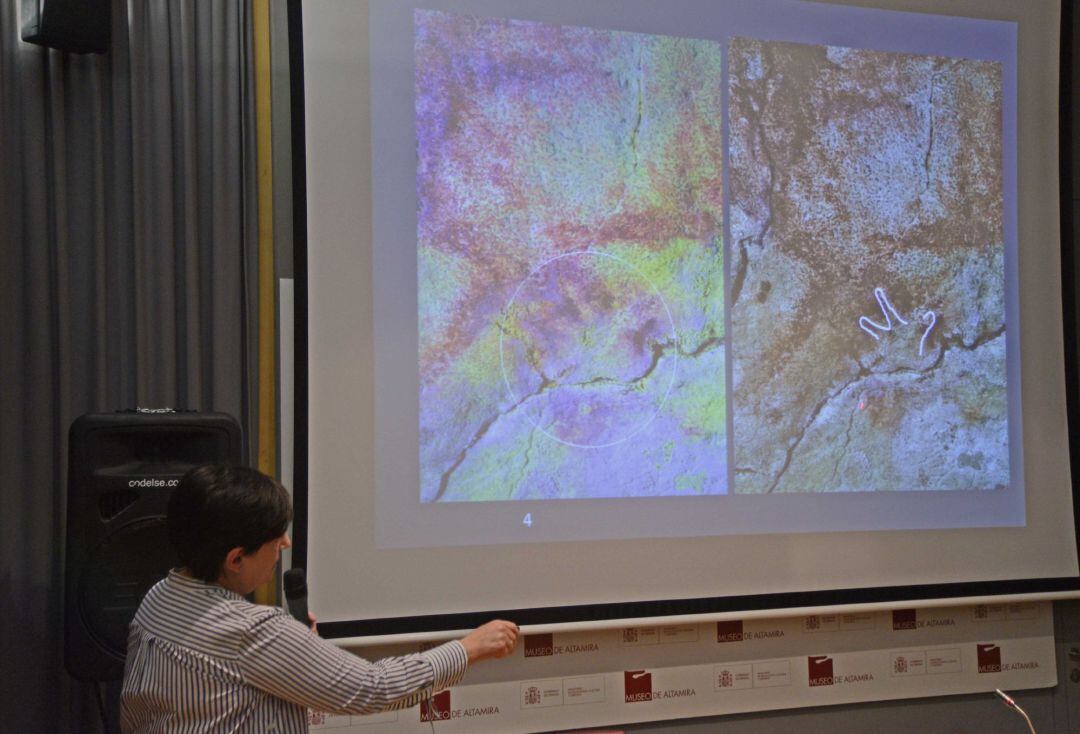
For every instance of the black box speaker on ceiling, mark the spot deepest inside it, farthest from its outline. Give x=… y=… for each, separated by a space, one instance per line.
x=121 y=471
x=78 y=26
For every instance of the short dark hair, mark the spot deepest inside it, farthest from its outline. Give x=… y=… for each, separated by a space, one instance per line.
x=217 y=508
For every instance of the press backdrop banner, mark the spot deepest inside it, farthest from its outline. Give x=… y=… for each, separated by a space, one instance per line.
x=568 y=680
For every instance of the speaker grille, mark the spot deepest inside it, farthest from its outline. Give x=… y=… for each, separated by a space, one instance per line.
x=111 y=504
x=119 y=573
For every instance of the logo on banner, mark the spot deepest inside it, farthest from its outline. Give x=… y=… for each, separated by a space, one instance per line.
x=908 y=619
x=820 y=670
x=729 y=631
x=637 y=686
x=904 y=619
x=436 y=708
x=538 y=646
x=734 y=631
x=988 y=656
x=531 y=696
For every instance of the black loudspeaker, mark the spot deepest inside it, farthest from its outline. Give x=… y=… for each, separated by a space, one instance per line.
x=78 y=26
x=121 y=471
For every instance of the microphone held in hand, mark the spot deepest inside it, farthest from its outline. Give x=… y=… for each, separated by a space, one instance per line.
x=295 y=585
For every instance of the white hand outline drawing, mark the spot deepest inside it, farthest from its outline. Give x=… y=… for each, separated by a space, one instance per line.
x=931 y=318
x=872 y=327
x=886 y=309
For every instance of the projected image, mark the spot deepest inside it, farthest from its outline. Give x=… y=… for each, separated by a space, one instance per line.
x=570 y=262
x=867 y=284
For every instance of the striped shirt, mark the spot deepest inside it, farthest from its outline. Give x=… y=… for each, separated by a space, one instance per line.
x=201 y=658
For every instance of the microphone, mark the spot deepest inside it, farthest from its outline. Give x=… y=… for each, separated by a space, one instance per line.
x=296 y=595
x=1005 y=697
x=1008 y=701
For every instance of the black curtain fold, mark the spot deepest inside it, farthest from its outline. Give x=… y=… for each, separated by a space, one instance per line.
x=127 y=278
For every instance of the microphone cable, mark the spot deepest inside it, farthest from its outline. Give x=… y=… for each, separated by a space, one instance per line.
x=1010 y=703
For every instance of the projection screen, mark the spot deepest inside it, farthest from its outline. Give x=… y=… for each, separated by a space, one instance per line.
x=614 y=309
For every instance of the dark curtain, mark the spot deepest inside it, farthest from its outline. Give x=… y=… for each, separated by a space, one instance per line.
x=128 y=221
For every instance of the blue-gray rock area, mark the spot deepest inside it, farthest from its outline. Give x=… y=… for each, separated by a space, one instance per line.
x=867 y=271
